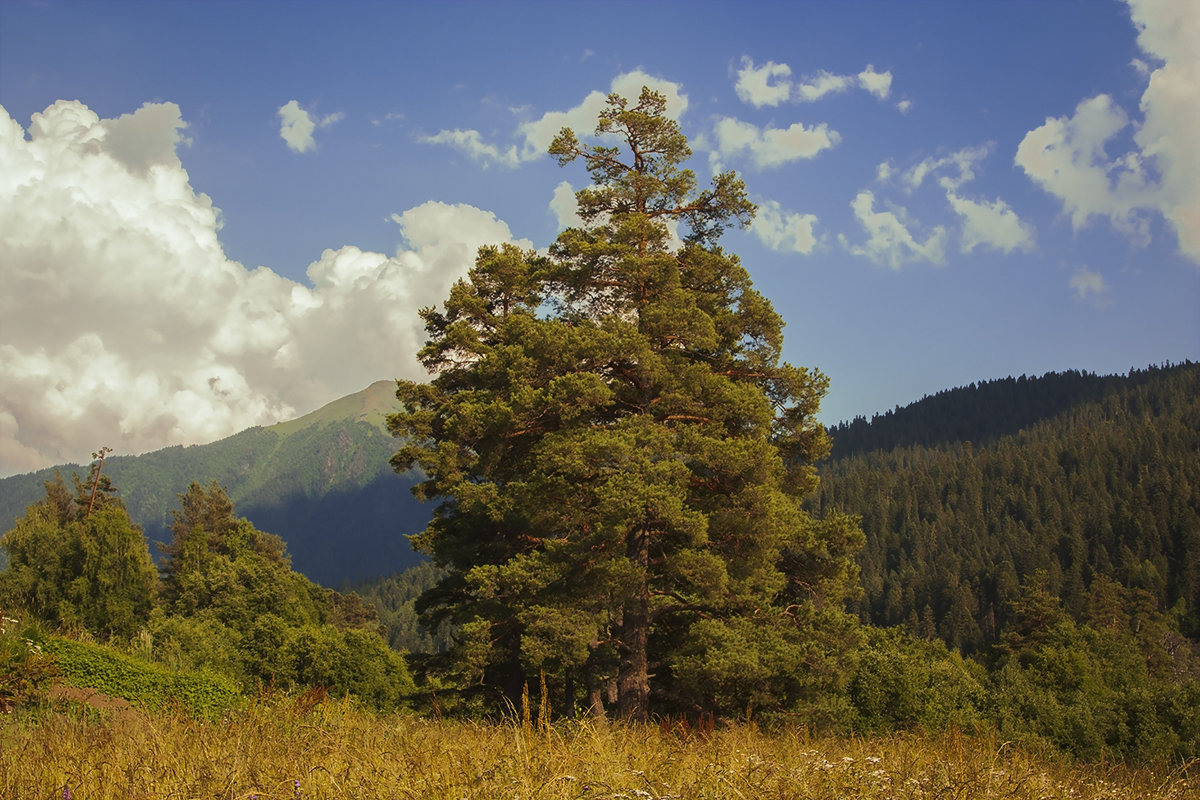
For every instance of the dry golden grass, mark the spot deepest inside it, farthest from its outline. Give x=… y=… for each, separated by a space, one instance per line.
x=335 y=751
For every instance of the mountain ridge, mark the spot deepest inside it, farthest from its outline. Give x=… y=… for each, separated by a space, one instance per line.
x=320 y=477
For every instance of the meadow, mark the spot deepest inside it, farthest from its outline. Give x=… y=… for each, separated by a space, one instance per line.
x=308 y=747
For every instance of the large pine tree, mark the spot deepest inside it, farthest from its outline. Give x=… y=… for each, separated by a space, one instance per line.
x=621 y=453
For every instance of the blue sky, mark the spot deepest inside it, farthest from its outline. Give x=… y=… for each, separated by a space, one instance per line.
x=220 y=214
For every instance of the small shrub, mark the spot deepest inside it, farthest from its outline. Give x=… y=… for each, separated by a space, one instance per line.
x=25 y=669
x=155 y=688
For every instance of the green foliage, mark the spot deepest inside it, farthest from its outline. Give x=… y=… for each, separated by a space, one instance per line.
x=25 y=668
x=80 y=563
x=619 y=453
x=233 y=603
x=1108 y=489
x=1096 y=691
x=904 y=683
x=395 y=600
x=202 y=693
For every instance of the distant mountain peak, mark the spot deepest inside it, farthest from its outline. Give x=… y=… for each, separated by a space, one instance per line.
x=371 y=405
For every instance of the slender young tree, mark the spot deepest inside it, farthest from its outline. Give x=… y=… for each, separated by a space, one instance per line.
x=620 y=452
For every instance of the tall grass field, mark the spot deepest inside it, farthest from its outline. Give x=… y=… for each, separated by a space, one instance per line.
x=304 y=747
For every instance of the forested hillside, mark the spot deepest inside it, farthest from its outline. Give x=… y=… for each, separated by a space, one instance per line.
x=967 y=495
x=321 y=482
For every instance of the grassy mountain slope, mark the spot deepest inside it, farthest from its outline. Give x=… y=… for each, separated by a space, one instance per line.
x=322 y=482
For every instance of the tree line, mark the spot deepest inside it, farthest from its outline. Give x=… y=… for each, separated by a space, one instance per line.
x=225 y=598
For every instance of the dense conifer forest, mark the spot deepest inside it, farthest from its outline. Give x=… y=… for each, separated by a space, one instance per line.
x=1086 y=482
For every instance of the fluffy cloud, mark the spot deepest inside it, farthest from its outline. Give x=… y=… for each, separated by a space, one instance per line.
x=1068 y=156
x=784 y=231
x=296 y=126
x=889 y=241
x=534 y=136
x=877 y=83
x=1089 y=284
x=564 y=207
x=126 y=325
x=770 y=147
x=961 y=163
x=772 y=84
x=768 y=85
x=993 y=224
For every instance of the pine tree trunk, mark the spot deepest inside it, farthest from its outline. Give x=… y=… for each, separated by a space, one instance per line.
x=633 y=675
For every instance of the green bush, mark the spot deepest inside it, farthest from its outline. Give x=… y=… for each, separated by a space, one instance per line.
x=905 y=683
x=25 y=668
x=1090 y=693
x=155 y=688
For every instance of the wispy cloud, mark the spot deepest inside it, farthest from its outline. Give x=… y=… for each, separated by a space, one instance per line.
x=771 y=147
x=471 y=143
x=990 y=223
x=533 y=137
x=1090 y=285
x=889 y=240
x=771 y=84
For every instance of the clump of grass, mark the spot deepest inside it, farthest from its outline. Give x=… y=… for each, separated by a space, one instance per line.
x=293 y=747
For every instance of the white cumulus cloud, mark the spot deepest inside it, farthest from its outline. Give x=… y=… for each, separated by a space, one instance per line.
x=772 y=84
x=783 y=230
x=768 y=85
x=564 y=207
x=992 y=224
x=771 y=147
x=889 y=240
x=126 y=325
x=296 y=126
x=1070 y=157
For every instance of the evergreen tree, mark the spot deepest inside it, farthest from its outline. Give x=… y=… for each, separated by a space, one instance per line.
x=620 y=453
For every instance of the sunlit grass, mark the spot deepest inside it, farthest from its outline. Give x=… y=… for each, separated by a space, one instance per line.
x=336 y=751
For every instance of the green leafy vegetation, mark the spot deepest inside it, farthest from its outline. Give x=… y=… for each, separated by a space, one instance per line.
x=228 y=603
x=26 y=669
x=150 y=686
x=79 y=561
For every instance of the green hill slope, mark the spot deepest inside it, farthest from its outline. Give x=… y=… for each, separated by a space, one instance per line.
x=1104 y=486
x=322 y=482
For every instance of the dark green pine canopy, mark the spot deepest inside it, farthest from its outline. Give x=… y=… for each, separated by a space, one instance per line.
x=621 y=455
